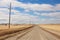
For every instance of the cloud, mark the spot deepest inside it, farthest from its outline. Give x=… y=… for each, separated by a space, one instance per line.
x=55 y=14
x=34 y=7
x=23 y=18
x=18 y=17
x=29 y=6
x=57 y=7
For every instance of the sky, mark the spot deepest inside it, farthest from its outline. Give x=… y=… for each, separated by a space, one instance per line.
x=30 y=11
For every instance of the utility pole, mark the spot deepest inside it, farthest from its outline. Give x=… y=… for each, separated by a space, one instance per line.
x=9 y=15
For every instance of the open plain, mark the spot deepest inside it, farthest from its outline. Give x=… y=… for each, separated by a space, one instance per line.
x=30 y=32
x=55 y=27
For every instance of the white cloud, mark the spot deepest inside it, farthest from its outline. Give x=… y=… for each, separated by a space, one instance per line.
x=55 y=14
x=19 y=17
x=57 y=7
x=5 y=3
x=16 y=17
x=30 y=6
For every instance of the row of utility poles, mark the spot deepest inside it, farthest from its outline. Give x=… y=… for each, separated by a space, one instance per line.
x=10 y=16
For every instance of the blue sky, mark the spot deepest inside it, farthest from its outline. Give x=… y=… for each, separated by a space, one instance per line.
x=41 y=1
x=31 y=11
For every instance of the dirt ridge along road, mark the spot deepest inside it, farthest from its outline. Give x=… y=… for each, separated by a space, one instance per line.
x=56 y=34
x=16 y=33
x=36 y=34
x=12 y=30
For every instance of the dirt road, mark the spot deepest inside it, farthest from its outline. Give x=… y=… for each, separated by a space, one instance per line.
x=34 y=33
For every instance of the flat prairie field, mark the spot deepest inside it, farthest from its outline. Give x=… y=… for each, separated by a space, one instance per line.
x=55 y=27
x=2 y=27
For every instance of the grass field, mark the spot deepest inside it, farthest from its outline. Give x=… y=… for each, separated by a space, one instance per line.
x=4 y=29
x=55 y=27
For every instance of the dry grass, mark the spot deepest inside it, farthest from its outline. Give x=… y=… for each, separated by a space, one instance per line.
x=4 y=29
x=55 y=27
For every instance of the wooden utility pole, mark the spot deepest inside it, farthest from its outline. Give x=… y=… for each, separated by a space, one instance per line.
x=9 y=15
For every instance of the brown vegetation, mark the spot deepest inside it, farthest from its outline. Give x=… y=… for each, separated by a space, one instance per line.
x=4 y=29
x=55 y=27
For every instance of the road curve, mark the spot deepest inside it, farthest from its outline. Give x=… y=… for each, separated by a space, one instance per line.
x=35 y=33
